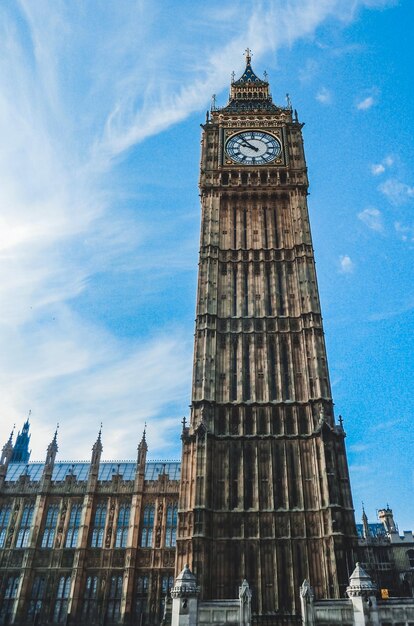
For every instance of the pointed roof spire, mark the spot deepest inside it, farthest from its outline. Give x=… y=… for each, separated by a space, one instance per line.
x=248 y=75
x=7 y=450
x=97 y=448
x=51 y=452
x=21 y=452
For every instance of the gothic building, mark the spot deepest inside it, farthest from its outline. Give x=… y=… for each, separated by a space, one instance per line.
x=262 y=491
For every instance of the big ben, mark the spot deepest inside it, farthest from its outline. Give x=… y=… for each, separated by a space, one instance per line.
x=265 y=492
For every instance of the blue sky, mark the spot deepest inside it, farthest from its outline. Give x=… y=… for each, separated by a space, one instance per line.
x=100 y=106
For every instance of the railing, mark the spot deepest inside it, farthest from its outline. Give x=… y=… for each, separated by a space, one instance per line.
x=277 y=619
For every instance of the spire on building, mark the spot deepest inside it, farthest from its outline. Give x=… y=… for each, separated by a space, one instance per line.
x=7 y=450
x=365 y=525
x=52 y=449
x=143 y=448
x=97 y=448
x=21 y=453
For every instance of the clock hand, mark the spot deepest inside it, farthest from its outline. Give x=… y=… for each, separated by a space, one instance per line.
x=249 y=145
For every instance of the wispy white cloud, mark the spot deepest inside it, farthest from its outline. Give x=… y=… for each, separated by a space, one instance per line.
x=397 y=192
x=359 y=447
x=405 y=232
x=365 y=104
x=73 y=101
x=324 y=96
x=346 y=265
x=379 y=168
x=372 y=218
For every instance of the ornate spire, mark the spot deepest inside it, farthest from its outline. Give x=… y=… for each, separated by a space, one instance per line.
x=143 y=448
x=52 y=449
x=249 y=92
x=21 y=452
x=7 y=451
x=365 y=525
x=97 y=448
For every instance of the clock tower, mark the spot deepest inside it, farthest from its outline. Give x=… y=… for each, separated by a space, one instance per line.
x=265 y=492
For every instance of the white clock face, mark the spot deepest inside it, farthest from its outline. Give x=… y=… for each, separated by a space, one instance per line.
x=253 y=147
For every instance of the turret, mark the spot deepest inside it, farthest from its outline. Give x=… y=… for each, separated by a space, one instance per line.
x=365 y=525
x=387 y=518
x=7 y=451
x=50 y=456
x=21 y=453
x=142 y=452
x=96 y=452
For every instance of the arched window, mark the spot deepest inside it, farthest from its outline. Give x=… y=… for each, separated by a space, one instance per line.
x=25 y=525
x=90 y=598
x=141 y=598
x=122 y=526
x=147 y=526
x=171 y=527
x=61 y=602
x=410 y=554
x=113 y=610
x=4 y=522
x=50 y=526
x=8 y=600
x=37 y=596
x=74 y=525
x=98 y=526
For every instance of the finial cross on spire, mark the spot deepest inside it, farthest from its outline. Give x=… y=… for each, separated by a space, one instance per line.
x=248 y=54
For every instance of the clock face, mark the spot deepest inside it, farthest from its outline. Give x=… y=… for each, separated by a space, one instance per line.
x=253 y=147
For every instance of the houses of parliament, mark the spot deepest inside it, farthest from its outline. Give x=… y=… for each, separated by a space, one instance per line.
x=262 y=491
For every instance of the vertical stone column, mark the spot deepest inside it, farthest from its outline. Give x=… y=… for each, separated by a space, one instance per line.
x=361 y=591
x=245 y=597
x=185 y=599
x=306 y=604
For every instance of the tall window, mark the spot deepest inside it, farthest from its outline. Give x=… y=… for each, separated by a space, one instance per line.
x=410 y=554
x=167 y=582
x=61 y=602
x=25 y=524
x=113 y=610
x=141 y=598
x=90 y=598
x=37 y=596
x=4 y=522
x=50 y=526
x=147 y=526
x=171 y=528
x=122 y=526
x=8 y=601
x=98 y=526
x=73 y=527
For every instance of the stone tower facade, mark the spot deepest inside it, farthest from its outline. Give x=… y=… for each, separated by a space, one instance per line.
x=265 y=492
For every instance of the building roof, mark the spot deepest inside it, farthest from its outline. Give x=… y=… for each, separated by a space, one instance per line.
x=80 y=469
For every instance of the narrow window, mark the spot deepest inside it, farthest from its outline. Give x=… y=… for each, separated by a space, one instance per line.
x=410 y=554
x=90 y=599
x=37 y=597
x=8 y=601
x=272 y=369
x=98 y=526
x=25 y=524
x=167 y=583
x=246 y=289
x=4 y=522
x=147 y=527
x=61 y=602
x=234 y=290
x=74 y=525
x=171 y=527
x=233 y=391
x=122 y=526
x=246 y=367
x=244 y=228
x=113 y=611
x=234 y=227
x=266 y=237
x=275 y=229
x=141 y=599
x=269 y=289
x=50 y=526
